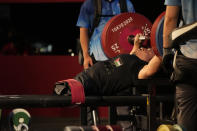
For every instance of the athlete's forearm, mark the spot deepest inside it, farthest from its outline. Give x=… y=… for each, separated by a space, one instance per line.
x=137 y=43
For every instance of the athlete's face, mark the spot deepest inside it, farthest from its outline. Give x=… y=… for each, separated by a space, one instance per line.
x=145 y=54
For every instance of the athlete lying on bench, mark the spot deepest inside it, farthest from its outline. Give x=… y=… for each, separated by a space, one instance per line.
x=114 y=76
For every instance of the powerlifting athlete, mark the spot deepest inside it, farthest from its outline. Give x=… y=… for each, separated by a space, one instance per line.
x=114 y=76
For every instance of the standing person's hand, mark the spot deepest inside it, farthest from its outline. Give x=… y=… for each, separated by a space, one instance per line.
x=87 y=62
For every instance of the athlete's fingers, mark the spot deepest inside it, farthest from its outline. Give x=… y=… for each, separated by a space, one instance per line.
x=137 y=41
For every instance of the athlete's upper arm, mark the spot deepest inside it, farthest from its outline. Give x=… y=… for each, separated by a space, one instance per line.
x=150 y=69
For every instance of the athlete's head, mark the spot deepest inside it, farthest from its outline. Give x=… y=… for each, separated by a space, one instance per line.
x=145 y=54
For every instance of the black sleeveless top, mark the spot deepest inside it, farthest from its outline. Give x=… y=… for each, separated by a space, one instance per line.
x=112 y=77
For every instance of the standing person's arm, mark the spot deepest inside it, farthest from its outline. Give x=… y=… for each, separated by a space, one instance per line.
x=84 y=40
x=170 y=23
x=84 y=23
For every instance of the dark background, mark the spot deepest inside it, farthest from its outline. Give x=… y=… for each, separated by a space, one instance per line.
x=54 y=23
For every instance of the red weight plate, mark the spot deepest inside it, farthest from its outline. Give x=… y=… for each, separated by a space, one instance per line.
x=153 y=33
x=116 y=31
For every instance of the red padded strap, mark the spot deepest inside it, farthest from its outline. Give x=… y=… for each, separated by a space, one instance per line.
x=77 y=91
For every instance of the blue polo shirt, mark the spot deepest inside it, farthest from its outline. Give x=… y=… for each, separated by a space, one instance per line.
x=86 y=17
x=189 y=13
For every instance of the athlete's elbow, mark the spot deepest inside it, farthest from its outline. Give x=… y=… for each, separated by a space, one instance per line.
x=151 y=73
x=147 y=74
x=142 y=76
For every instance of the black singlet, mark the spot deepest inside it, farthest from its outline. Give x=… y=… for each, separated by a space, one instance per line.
x=112 y=77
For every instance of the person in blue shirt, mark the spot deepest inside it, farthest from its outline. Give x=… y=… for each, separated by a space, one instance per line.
x=186 y=61
x=92 y=46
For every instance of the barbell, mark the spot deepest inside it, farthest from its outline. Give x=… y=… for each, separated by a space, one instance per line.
x=117 y=35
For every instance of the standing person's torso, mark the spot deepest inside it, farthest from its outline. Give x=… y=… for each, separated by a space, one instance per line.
x=189 y=14
x=86 y=20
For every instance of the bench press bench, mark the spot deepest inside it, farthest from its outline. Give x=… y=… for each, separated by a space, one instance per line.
x=149 y=100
